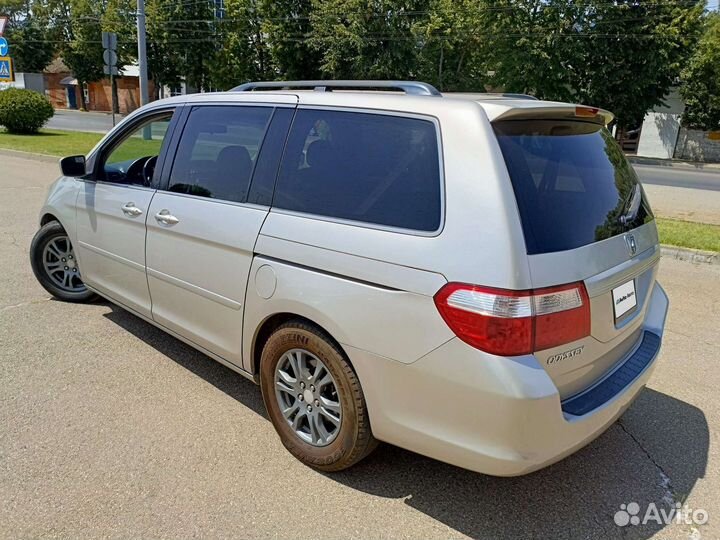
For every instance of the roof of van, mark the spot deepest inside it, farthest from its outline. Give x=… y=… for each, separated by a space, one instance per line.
x=496 y=106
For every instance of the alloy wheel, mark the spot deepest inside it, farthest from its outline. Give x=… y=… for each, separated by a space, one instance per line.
x=61 y=266
x=308 y=397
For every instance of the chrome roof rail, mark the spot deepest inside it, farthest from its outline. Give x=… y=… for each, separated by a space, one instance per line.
x=409 y=87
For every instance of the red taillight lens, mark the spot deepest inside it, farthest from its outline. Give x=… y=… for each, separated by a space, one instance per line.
x=511 y=323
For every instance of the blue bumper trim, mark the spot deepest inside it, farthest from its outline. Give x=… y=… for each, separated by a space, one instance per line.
x=618 y=379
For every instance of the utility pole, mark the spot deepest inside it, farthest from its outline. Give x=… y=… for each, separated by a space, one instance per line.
x=142 y=53
x=109 y=43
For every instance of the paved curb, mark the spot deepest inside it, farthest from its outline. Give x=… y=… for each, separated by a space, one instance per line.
x=693 y=165
x=690 y=255
x=97 y=113
x=30 y=155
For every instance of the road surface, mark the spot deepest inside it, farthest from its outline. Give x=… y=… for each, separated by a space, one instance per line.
x=682 y=193
x=705 y=179
x=82 y=121
x=111 y=428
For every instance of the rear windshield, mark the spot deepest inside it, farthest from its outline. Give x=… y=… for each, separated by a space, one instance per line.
x=572 y=183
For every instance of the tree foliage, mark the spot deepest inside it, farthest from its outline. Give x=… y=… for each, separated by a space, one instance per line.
x=181 y=37
x=635 y=54
x=451 y=45
x=243 y=54
x=622 y=55
x=25 y=33
x=165 y=58
x=701 y=80
x=80 y=47
x=287 y=23
x=366 y=39
x=531 y=51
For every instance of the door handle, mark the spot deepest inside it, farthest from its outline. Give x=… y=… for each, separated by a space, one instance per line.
x=166 y=218
x=131 y=210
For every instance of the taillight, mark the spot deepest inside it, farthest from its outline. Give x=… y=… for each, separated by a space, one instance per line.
x=511 y=323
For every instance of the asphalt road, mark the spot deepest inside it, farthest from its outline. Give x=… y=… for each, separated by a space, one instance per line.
x=682 y=193
x=703 y=179
x=82 y=121
x=110 y=428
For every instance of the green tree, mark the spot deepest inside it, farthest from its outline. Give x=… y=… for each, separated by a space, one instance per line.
x=634 y=54
x=243 y=54
x=119 y=17
x=196 y=38
x=531 y=52
x=701 y=80
x=288 y=27
x=30 y=48
x=621 y=55
x=181 y=41
x=78 y=25
x=452 y=47
x=165 y=57
x=367 y=39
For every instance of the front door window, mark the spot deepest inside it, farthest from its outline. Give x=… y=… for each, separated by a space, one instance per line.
x=132 y=161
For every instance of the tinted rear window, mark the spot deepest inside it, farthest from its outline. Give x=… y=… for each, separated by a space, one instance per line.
x=372 y=168
x=571 y=181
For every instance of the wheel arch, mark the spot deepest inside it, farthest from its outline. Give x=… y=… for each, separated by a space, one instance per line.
x=47 y=217
x=274 y=321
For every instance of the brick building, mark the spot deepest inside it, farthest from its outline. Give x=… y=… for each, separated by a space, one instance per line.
x=63 y=90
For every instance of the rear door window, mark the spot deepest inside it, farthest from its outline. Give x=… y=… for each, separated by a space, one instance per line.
x=371 y=168
x=572 y=183
x=217 y=152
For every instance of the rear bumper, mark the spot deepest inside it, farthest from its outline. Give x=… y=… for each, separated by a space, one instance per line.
x=499 y=416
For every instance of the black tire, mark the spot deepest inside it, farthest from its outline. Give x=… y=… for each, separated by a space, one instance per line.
x=47 y=233
x=354 y=440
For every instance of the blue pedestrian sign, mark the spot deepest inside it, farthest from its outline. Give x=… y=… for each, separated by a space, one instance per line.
x=4 y=47
x=6 y=69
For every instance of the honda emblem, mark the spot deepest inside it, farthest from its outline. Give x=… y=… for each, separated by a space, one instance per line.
x=632 y=246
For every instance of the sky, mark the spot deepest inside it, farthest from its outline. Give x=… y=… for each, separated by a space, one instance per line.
x=713 y=4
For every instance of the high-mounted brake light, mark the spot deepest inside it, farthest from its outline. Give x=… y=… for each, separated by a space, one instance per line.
x=512 y=323
x=587 y=112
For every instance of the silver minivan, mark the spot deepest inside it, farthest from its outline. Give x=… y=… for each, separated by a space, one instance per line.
x=468 y=276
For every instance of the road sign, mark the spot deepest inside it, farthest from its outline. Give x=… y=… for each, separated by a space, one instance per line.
x=4 y=46
x=109 y=43
x=110 y=57
x=6 y=69
x=109 y=40
x=3 y=23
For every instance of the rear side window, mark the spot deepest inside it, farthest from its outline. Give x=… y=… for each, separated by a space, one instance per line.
x=572 y=183
x=217 y=151
x=377 y=169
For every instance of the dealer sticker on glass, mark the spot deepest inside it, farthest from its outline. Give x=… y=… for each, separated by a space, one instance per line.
x=624 y=298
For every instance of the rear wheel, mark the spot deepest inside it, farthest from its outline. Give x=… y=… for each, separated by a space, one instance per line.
x=314 y=398
x=54 y=264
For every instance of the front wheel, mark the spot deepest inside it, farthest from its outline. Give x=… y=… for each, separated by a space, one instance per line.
x=54 y=264
x=314 y=398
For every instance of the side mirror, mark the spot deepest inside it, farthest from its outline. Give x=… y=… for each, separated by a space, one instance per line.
x=73 y=166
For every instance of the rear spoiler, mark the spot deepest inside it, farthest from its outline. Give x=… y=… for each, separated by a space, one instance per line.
x=556 y=111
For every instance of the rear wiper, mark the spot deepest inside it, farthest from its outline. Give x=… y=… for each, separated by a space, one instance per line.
x=632 y=206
